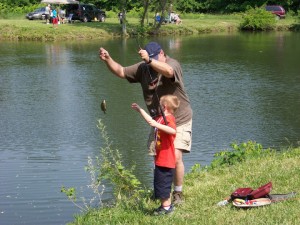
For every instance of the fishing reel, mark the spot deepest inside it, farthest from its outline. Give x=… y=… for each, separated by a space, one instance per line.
x=154 y=113
x=153 y=81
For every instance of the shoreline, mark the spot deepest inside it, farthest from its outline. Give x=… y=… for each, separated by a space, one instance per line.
x=37 y=30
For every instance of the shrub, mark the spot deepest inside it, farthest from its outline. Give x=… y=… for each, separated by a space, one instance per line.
x=257 y=19
x=240 y=153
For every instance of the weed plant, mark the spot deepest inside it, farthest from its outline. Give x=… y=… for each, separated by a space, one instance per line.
x=127 y=189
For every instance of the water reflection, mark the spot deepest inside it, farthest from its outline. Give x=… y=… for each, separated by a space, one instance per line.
x=241 y=87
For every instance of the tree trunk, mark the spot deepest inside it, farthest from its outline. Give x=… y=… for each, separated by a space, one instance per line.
x=124 y=30
x=146 y=7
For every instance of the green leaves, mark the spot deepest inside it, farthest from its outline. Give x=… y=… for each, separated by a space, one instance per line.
x=110 y=167
x=240 y=153
x=70 y=192
x=257 y=19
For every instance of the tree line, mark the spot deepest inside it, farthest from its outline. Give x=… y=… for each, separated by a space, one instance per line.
x=183 y=6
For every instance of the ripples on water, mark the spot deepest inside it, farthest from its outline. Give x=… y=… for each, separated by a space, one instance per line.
x=50 y=97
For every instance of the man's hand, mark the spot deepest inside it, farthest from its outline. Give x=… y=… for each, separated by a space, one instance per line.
x=144 y=55
x=103 y=54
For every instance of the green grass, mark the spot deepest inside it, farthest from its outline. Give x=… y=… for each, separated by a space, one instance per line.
x=23 y=29
x=203 y=189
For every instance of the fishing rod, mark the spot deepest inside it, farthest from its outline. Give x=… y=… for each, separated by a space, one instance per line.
x=153 y=82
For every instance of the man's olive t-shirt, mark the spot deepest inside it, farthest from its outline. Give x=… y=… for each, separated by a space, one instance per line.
x=144 y=74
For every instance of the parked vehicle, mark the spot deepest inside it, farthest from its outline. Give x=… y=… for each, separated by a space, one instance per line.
x=84 y=12
x=276 y=10
x=38 y=14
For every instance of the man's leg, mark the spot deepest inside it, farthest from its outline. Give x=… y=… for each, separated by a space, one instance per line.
x=182 y=145
x=179 y=171
x=178 y=178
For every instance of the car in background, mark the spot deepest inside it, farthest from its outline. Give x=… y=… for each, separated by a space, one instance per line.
x=38 y=14
x=276 y=10
x=84 y=12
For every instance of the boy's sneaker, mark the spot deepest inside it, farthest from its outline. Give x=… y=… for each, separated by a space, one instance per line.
x=161 y=211
x=177 y=197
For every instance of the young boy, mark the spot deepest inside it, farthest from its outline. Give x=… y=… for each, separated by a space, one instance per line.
x=165 y=151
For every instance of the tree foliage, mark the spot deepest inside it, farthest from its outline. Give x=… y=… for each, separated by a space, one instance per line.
x=188 y=6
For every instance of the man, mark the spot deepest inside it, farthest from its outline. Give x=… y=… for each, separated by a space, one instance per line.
x=120 y=16
x=160 y=75
x=47 y=14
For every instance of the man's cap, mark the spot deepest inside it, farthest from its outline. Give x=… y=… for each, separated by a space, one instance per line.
x=153 y=49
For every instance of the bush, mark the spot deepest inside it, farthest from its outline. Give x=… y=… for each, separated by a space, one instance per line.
x=240 y=153
x=257 y=19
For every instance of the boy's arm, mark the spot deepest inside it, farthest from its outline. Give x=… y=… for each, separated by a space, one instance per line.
x=145 y=115
x=152 y=122
x=162 y=127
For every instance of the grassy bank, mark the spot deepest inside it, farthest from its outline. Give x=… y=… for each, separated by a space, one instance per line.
x=23 y=29
x=205 y=187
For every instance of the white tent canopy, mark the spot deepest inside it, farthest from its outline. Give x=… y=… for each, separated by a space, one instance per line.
x=59 y=1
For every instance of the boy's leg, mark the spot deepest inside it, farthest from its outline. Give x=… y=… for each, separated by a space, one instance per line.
x=163 y=178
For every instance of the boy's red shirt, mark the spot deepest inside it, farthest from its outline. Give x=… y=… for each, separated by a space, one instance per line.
x=165 y=150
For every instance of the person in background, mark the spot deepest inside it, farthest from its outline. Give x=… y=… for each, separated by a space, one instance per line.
x=120 y=16
x=61 y=16
x=177 y=19
x=157 y=18
x=171 y=18
x=170 y=10
x=47 y=14
x=54 y=18
x=165 y=132
x=158 y=75
x=51 y=15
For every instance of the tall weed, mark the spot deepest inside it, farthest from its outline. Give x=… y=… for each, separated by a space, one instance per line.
x=127 y=189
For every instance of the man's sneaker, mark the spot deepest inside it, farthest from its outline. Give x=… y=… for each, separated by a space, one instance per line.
x=177 y=197
x=161 y=211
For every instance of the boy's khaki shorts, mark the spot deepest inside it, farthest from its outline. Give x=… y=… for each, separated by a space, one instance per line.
x=183 y=140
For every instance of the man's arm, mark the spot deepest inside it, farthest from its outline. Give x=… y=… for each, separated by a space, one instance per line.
x=162 y=68
x=112 y=65
x=159 y=66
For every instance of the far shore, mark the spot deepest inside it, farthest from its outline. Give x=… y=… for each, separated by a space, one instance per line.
x=38 y=30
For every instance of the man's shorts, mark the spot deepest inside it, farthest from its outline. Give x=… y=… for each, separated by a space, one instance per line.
x=183 y=140
x=163 y=178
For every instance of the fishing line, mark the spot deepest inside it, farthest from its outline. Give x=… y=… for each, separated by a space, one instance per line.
x=153 y=82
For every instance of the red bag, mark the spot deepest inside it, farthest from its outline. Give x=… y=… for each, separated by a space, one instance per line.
x=241 y=193
x=249 y=193
x=261 y=191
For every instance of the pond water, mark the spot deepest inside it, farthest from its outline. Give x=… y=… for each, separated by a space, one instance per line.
x=241 y=86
